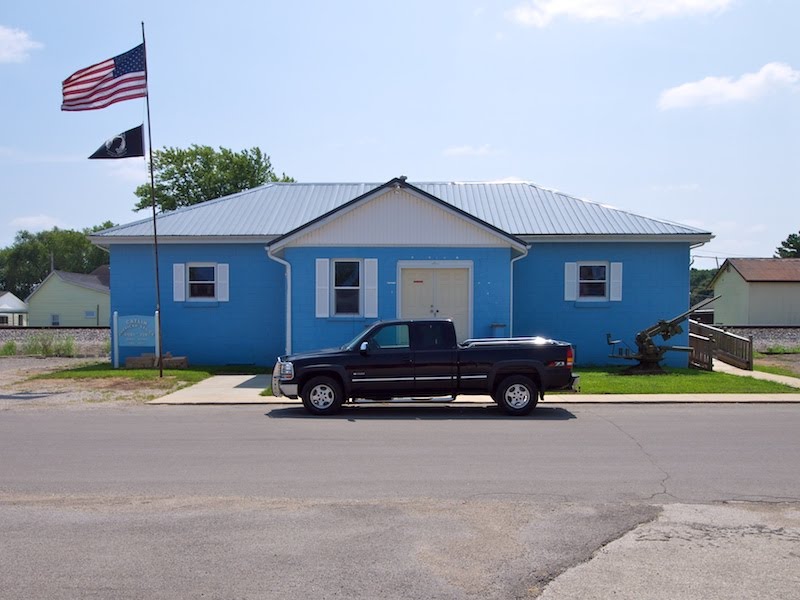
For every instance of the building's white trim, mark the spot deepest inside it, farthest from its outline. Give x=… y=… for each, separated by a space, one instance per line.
x=105 y=241
x=511 y=297
x=288 y=273
x=694 y=239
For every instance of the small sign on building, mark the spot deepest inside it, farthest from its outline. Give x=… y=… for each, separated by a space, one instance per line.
x=134 y=330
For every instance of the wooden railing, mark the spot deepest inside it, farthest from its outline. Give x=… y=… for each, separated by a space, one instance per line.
x=702 y=356
x=727 y=347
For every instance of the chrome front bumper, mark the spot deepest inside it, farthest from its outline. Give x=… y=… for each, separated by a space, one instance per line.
x=287 y=390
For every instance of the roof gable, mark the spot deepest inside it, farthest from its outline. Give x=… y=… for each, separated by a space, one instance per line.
x=89 y=281
x=397 y=214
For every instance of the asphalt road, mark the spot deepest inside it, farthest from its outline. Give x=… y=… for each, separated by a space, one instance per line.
x=384 y=502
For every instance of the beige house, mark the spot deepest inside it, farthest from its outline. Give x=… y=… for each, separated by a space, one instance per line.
x=71 y=300
x=758 y=291
x=13 y=311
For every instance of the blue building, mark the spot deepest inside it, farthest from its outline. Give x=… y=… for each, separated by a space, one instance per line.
x=293 y=266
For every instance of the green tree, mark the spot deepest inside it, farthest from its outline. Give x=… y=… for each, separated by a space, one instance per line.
x=790 y=247
x=699 y=283
x=28 y=260
x=184 y=177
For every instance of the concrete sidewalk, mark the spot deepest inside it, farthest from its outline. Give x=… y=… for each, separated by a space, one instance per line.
x=246 y=389
x=731 y=370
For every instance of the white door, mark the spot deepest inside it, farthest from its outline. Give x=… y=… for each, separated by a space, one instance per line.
x=438 y=294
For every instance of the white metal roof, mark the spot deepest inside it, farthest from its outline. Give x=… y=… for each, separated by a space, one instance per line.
x=519 y=209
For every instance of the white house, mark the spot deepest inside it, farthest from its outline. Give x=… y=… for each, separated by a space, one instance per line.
x=758 y=291
x=13 y=311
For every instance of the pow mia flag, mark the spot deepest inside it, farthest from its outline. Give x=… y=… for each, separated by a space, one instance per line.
x=123 y=145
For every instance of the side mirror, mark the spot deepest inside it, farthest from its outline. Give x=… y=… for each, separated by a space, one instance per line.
x=364 y=348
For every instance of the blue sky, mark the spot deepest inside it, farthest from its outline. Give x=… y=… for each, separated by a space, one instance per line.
x=685 y=110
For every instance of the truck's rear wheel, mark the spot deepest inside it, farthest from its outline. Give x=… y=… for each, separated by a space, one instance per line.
x=517 y=395
x=322 y=396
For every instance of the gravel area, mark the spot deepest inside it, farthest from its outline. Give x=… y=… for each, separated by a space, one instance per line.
x=87 y=341
x=767 y=337
x=19 y=392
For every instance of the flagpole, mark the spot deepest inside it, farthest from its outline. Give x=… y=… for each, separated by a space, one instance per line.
x=155 y=226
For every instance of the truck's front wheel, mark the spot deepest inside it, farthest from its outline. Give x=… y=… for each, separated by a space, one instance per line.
x=322 y=396
x=517 y=395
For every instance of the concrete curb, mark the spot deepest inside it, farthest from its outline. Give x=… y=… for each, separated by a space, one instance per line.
x=246 y=389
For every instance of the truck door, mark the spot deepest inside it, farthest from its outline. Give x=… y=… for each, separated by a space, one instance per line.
x=434 y=350
x=386 y=369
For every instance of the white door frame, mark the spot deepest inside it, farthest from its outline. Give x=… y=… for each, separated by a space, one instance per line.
x=434 y=264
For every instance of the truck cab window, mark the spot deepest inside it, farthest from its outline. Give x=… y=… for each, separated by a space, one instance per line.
x=434 y=336
x=391 y=337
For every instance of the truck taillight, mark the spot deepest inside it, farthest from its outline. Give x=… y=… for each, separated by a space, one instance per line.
x=570 y=357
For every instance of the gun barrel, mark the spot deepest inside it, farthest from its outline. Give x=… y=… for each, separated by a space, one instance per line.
x=697 y=306
x=666 y=327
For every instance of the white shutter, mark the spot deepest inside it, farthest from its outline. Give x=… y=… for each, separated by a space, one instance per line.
x=371 y=288
x=179 y=282
x=570 y=281
x=222 y=282
x=615 y=292
x=323 y=286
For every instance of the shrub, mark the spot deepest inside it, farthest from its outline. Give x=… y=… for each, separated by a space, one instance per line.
x=39 y=344
x=64 y=347
x=9 y=348
x=32 y=345
x=782 y=350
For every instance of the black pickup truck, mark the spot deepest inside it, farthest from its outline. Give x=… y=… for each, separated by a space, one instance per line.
x=421 y=360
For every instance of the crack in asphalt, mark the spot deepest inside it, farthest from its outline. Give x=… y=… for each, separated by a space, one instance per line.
x=666 y=476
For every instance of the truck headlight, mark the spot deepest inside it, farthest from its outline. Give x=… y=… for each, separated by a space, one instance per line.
x=287 y=370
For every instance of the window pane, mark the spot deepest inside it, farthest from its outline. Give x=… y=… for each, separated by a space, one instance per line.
x=392 y=336
x=346 y=274
x=435 y=336
x=593 y=290
x=201 y=290
x=201 y=274
x=346 y=302
x=593 y=273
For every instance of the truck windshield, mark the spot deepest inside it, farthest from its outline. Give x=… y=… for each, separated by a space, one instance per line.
x=352 y=343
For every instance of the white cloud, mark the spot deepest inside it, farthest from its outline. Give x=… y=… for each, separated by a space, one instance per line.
x=36 y=222
x=484 y=150
x=539 y=13
x=719 y=90
x=15 y=45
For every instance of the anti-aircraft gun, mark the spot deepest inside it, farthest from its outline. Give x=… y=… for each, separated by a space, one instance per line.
x=649 y=354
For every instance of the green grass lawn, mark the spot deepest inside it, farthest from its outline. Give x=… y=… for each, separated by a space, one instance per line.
x=776 y=370
x=602 y=380
x=594 y=380
x=185 y=376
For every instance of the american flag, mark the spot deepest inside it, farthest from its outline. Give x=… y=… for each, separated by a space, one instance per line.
x=120 y=78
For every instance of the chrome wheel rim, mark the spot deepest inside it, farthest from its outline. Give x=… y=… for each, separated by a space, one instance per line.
x=517 y=396
x=321 y=396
